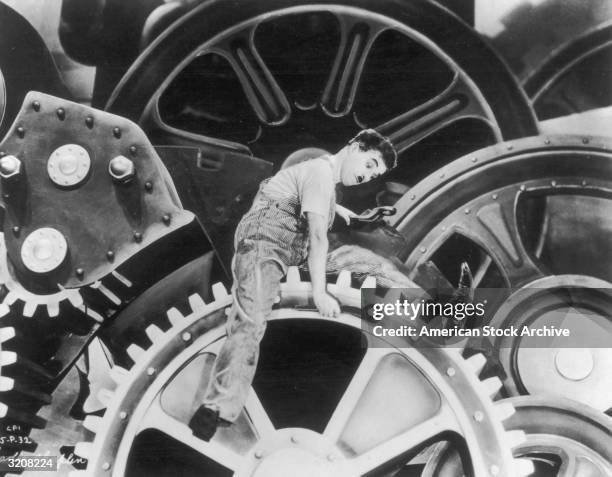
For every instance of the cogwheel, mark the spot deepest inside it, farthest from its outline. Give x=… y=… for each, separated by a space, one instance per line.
x=397 y=400
x=563 y=437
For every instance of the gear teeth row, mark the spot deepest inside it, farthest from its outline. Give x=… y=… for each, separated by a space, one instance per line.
x=174 y=316
x=477 y=362
x=6 y=334
x=154 y=333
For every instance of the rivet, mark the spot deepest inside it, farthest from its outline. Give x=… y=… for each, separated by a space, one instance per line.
x=294 y=439
x=16 y=230
x=423 y=250
x=494 y=470
x=151 y=371
x=547 y=141
x=61 y=113
x=36 y=106
x=510 y=147
x=522 y=188
x=478 y=416
x=133 y=150
x=186 y=336
x=494 y=196
x=6 y=196
x=110 y=255
x=584 y=183
x=117 y=132
x=553 y=183
x=89 y=122
x=105 y=466
x=585 y=140
x=79 y=272
x=466 y=211
x=474 y=159
x=412 y=197
x=451 y=372
x=20 y=132
x=166 y=219
x=123 y=415
x=442 y=176
x=148 y=186
x=258 y=454
x=443 y=228
x=137 y=237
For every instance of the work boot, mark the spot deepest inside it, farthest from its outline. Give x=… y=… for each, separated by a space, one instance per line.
x=205 y=421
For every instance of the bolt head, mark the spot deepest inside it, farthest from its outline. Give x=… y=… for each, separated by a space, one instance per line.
x=117 y=132
x=450 y=372
x=61 y=113
x=123 y=415
x=121 y=169
x=36 y=106
x=10 y=166
x=133 y=150
x=16 y=230
x=148 y=186
x=186 y=336
x=89 y=122
x=80 y=273
x=106 y=466
x=166 y=219
x=20 y=132
x=137 y=237
x=110 y=255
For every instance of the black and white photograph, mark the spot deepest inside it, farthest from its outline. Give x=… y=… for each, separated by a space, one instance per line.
x=296 y=238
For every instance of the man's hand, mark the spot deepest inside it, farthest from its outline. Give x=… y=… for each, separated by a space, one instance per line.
x=327 y=305
x=345 y=213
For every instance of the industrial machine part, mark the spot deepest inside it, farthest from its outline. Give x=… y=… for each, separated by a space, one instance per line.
x=219 y=79
x=575 y=77
x=563 y=438
x=385 y=402
x=528 y=214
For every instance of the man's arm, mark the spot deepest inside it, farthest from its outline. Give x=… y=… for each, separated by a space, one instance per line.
x=317 y=258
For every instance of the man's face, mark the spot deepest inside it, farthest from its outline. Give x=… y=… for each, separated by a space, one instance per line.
x=360 y=166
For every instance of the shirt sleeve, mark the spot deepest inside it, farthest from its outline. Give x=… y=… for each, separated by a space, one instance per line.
x=316 y=188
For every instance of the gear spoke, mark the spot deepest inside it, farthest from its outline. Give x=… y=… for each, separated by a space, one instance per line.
x=264 y=94
x=458 y=101
x=157 y=419
x=356 y=40
x=258 y=416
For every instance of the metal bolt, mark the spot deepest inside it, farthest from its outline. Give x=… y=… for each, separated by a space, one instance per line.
x=478 y=416
x=186 y=336
x=494 y=470
x=451 y=372
x=89 y=122
x=423 y=250
x=258 y=454
x=522 y=188
x=121 y=169
x=16 y=230
x=79 y=272
x=137 y=237
x=466 y=211
x=494 y=196
x=584 y=183
x=123 y=415
x=148 y=186
x=61 y=113
x=110 y=255
x=585 y=140
x=10 y=166
x=474 y=159
x=547 y=141
x=412 y=197
x=106 y=466
x=150 y=371
x=133 y=150
x=294 y=439
x=117 y=132
x=36 y=106
x=6 y=196
x=20 y=132
x=442 y=176
x=553 y=183
x=166 y=219
x=510 y=147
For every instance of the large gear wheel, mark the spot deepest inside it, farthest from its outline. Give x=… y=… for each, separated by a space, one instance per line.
x=519 y=213
x=563 y=438
x=396 y=401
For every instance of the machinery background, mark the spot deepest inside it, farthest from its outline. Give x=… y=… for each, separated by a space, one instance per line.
x=118 y=224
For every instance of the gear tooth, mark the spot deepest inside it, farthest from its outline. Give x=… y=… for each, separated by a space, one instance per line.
x=7 y=357
x=29 y=308
x=83 y=449
x=174 y=316
x=10 y=298
x=53 y=309
x=6 y=334
x=196 y=302
x=118 y=374
x=134 y=351
x=369 y=282
x=492 y=385
x=293 y=276
x=516 y=438
x=154 y=333
x=344 y=279
x=3 y=409
x=523 y=467
x=4 y=309
x=504 y=410
x=91 y=404
x=6 y=384
x=477 y=362
x=75 y=299
x=219 y=291
x=105 y=396
x=92 y=423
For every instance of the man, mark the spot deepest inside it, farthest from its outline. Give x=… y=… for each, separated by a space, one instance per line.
x=287 y=225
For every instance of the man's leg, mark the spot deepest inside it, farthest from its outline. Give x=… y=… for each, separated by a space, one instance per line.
x=256 y=287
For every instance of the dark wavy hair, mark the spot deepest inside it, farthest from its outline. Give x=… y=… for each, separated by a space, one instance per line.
x=370 y=139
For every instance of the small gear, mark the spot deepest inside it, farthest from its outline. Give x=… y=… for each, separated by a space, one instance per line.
x=563 y=437
x=427 y=393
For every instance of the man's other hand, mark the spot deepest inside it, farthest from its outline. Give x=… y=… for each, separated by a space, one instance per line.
x=345 y=213
x=327 y=305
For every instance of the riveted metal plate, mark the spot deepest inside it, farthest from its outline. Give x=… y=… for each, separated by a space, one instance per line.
x=99 y=215
x=44 y=250
x=68 y=165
